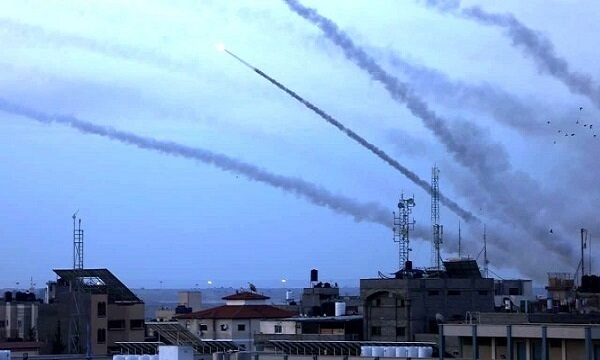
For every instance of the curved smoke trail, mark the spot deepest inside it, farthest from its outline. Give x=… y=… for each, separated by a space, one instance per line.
x=371 y=212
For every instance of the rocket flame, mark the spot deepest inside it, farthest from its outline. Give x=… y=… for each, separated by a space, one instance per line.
x=221 y=47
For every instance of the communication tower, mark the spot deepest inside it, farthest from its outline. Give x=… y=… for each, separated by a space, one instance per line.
x=436 y=228
x=402 y=226
x=75 y=345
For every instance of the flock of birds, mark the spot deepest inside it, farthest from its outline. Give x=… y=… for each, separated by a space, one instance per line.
x=571 y=132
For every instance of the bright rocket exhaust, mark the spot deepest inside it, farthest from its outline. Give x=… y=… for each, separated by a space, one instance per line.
x=453 y=206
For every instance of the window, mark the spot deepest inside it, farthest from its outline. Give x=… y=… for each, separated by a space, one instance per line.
x=433 y=292
x=453 y=292
x=376 y=330
x=400 y=331
x=101 y=309
x=514 y=291
x=136 y=324
x=116 y=324
x=101 y=338
x=203 y=327
x=278 y=329
x=2 y=324
x=241 y=327
x=224 y=327
x=483 y=292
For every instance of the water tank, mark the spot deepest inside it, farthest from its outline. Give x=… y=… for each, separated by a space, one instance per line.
x=118 y=357
x=401 y=351
x=132 y=357
x=425 y=352
x=314 y=275
x=144 y=357
x=4 y=354
x=413 y=351
x=340 y=308
x=154 y=357
x=389 y=351
x=366 y=351
x=549 y=304
x=378 y=351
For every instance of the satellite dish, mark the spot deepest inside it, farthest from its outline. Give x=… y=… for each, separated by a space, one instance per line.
x=252 y=287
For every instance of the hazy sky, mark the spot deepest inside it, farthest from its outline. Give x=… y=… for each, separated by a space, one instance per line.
x=187 y=166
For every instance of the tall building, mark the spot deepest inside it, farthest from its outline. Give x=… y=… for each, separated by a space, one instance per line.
x=415 y=302
x=90 y=307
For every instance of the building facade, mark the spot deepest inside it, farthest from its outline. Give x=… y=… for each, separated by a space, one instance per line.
x=90 y=308
x=238 y=320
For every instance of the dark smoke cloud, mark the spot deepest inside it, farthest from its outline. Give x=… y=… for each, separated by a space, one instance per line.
x=371 y=212
x=472 y=147
x=453 y=206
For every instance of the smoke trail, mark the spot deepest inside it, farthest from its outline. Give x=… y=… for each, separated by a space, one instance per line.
x=371 y=212
x=453 y=206
x=475 y=150
x=532 y=43
x=132 y=53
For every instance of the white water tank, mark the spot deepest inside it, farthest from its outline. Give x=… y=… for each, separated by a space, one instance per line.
x=154 y=357
x=115 y=357
x=401 y=351
x=389 y=351
x=549 y=304
x=169 y=352
x=340 y=308
x=425 y=351
x=144 y=357
x=4 y=354
x=131 y=357
x=377 y=350
x=413 y=351
x=366 y=351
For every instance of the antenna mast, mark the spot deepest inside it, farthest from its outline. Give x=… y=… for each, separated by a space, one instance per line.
x=436 y=228
x=402 y=225
x=77 y=243
x=485 y=259
x=459 y=239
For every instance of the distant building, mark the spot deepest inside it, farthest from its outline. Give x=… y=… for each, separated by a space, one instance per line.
x=396 y=309
x=18 y=316
x=515 y=295
x=238 y=320
x=112 y=312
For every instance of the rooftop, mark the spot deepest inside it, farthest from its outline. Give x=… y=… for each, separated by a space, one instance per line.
x=239 y=312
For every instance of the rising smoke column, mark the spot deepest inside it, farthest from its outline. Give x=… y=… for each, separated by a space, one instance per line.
x=453 y=206
x=316 y=195
x=487 y=160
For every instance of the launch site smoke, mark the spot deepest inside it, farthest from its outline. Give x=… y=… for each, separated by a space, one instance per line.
x=486 y=159
x=453 y=206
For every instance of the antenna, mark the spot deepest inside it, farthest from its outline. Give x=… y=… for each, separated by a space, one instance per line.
x=402 y=225
x=459 y=239
x=485 y=259
x=77 y=243
x=436 y=228
x=584 y=235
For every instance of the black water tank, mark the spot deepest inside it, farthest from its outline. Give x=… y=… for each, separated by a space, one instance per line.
x=314 y=275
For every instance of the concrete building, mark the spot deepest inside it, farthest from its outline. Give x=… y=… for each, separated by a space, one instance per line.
x=545 y=341
x=93 y=298
x=238 y=320
x=397 y=309
x=18 y=316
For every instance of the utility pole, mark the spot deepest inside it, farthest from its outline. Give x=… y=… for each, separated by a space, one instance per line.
x=402 y=226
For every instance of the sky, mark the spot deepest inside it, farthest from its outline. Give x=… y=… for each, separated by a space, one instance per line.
x=190 y=167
